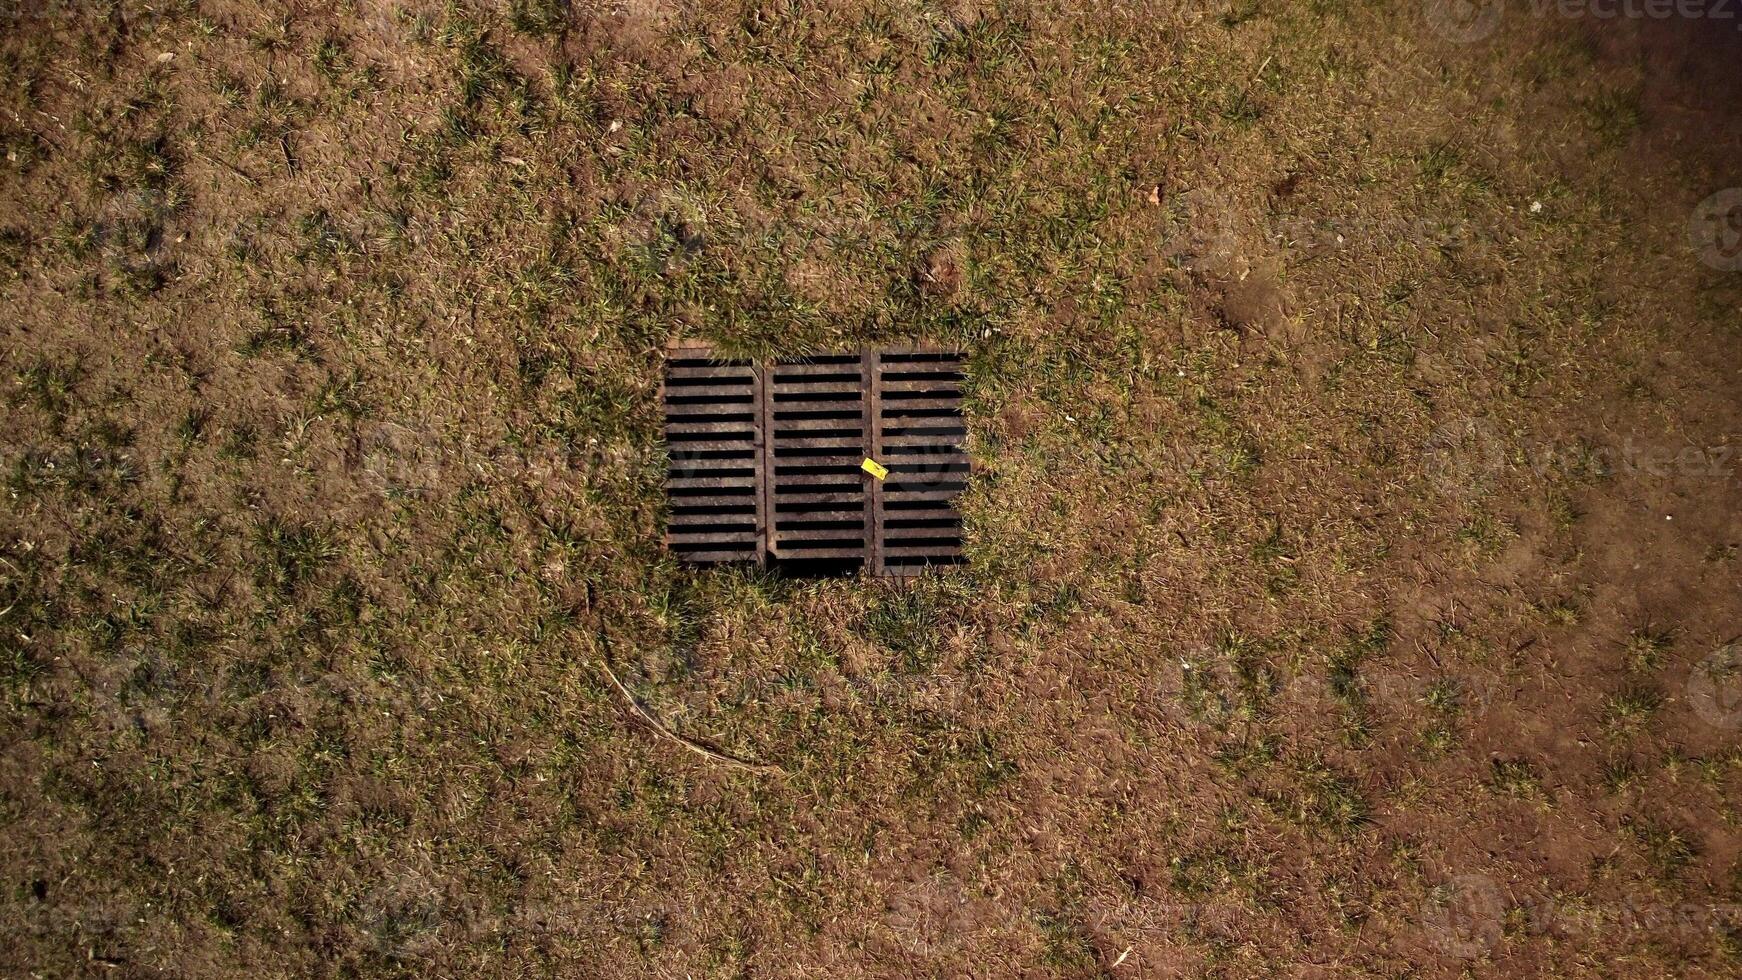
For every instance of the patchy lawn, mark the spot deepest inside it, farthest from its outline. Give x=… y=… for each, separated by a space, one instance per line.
x=1353 y=580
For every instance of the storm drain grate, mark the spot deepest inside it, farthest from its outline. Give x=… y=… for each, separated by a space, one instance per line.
x=769 y=461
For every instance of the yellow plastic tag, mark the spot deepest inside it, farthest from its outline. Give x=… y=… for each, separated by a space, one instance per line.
x=874 y=468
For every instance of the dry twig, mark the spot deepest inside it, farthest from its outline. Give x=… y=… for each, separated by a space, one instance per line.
x=646 y=718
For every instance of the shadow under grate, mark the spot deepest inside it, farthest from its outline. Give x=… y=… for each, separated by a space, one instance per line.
x=766 y=460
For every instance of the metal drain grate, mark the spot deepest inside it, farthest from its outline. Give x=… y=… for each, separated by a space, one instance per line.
x=766 y=460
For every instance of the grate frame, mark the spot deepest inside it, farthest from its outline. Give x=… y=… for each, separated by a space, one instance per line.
x=806 y=506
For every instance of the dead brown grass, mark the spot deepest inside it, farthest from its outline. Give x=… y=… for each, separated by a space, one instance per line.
x=1357 y=512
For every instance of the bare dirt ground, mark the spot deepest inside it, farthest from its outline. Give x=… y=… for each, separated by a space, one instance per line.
x=1354 y=553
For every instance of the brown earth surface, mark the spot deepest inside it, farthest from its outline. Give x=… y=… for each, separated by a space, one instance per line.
x=1353 y=579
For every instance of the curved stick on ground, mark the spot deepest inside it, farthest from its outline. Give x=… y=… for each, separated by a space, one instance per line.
x=646 y=718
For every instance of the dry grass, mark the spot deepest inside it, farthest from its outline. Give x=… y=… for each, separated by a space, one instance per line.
x=1332 y=384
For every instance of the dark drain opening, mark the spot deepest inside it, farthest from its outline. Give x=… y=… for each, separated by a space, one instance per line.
x=817 y=567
